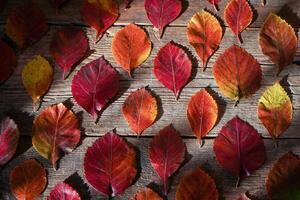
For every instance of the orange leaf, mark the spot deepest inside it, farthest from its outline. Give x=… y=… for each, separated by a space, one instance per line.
x=146 y=194
x=237 y=73
x=238 y=15
x=204 y=33
x=28 y=180
x=140 y=110
x=278 y=41
x=197 y=185
x=131 y=47
x=202 y=113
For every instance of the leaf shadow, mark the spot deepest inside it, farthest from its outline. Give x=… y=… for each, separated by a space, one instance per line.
x=160 y=111
x=78 y=184
x=288 y=14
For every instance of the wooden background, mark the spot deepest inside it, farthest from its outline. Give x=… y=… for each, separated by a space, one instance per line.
x=15 y=102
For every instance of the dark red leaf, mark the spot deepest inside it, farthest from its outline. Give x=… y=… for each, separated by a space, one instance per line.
x=162 y=12
x=94 y=85
x=9 y=139
x=239 y=148
x=110 y=164
x=172 y=67
x=68 y=47
x=8 y=61
x=166 y=152
x=63 y=191
x=26 y=25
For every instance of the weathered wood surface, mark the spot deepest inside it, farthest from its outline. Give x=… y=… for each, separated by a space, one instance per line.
x=15 y=101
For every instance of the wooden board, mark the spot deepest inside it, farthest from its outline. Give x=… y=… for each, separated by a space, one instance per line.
x=15 y=102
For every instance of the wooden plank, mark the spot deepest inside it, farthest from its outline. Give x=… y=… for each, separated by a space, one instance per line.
x=71 y=11
x=73 y=163
x=14 y=97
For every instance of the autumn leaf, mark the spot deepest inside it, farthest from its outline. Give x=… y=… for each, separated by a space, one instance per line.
x=110 y=165
x=140 y=110
x=8 y=61
x=166 y=153
x=100 y=15
x=37 y=76
x=204 y=33
x=162 y=12
x=28 y=180
x=63 y=191
x=26 y=24
x=243 y=197
x=239 y=148
x=238 y=15
x=282 y=181
x=278 y=41
x=9 y=140
x=214 y=3
x=237 y=73
x=131 y=47
x=172 y=67
x=55 y=130
x=95 y=85
x=188 y=188
x=68 y=47
x=202 y=113
x=275 y=110
x=146 y=194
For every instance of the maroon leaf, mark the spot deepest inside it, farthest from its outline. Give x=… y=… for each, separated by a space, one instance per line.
x=63 y=191
x=110 y=164
x=166 y=152
x=162 y=12
x=9 y=139
x=8 y=61
x=94 y=85
x=68 y=47
x=239 y=148
x=172 y=67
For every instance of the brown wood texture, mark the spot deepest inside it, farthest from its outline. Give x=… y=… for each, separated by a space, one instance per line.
x=15 y=102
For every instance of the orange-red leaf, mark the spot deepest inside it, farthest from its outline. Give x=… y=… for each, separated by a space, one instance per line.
x=55 y=130
x=8 y=61
x=202 y=113
x=204 y=33
x=166 y=153
x=278 y=41
x=131 y=47
x=146 y=194
x=282 y=182
x=197 y=185
x=172 y=67
x=27 y=180
x=110 y=165
x=237 y=73
x=238 y=15
x=26 y=25
x=140 y=110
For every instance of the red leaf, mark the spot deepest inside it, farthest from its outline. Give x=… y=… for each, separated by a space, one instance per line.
x=238 y=15
x=110 y=164
x=215 y=3
x=94 y=85
x=239 y=148
x=68 y=47
x=100 y=15
x=26 y=25
x=28 y=180
x=8 y=61
x=9 y=139
x=172 y=67
x=162 y=12
x=166 y=152
x=63 y=191
x=55 y=130
x=197 y=185
x=140 y=110
x=202 y=113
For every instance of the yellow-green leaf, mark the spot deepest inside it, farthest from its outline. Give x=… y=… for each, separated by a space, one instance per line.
x=37 y=77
